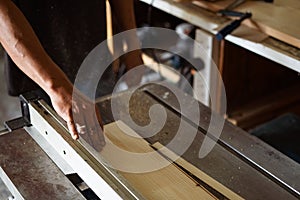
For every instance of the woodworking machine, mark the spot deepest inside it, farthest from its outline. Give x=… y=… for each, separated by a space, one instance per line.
x=40 y=160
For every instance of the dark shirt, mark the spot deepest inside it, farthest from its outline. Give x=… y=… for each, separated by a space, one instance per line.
x=67 y=29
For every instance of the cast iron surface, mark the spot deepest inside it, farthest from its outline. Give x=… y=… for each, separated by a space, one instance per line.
x=31 y=170
x=247 y=147
x=223 y=164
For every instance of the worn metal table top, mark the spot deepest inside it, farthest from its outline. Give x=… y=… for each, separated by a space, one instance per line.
x=28 y=168
x=240 y=161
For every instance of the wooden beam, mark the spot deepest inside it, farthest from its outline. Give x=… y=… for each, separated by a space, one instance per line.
x=197 y=172
x=166 y=183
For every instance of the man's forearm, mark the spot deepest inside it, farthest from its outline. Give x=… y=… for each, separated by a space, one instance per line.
x=23 y=46
x=123 y=13
x=19 y=40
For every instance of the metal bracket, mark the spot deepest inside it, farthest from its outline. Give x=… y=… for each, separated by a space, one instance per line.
x=15 y=124
x=25 y=99
x=25 y=119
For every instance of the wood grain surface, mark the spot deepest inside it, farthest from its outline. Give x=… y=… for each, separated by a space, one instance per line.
x=279 y=19
x=166 y=183
x=197 y=172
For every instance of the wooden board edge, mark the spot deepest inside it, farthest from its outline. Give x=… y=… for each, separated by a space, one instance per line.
x=197 y=172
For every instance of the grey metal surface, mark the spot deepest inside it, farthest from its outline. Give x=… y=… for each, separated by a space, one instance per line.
x=252 y=150
x=15 y=194
x=3 y=132
x=4 y=192
x=50 y=151
x=31 y=170
x=221 y=164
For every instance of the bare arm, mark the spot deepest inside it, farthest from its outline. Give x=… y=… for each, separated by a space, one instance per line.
x=123 y=13
x=21 y=43
x=23 y=46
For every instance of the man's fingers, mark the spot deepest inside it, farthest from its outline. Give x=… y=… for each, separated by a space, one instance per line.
x=72 y=129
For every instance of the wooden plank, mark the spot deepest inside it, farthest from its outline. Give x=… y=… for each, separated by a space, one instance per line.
x=166 y=183
x=288 y=3
x=197 y=172
x=213 y=6
x=190 y=13
x=277 y=21
x=280 y=20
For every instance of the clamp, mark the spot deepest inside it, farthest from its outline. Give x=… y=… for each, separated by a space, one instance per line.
x=228 y=11
x=233 y=25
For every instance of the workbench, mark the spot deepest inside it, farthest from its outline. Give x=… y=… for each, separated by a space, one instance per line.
x=259 y=71
x=239 y=161
x=273 y=49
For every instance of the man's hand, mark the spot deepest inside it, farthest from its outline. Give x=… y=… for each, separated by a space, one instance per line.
x=81 y=114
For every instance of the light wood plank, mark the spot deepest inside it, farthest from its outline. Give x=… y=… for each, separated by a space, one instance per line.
x=213 y=6
x=279 y=20
x=166 y=183
x=288 y=3
x=197 y=172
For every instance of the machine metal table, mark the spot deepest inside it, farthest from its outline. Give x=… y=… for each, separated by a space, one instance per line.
x=241 y=162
